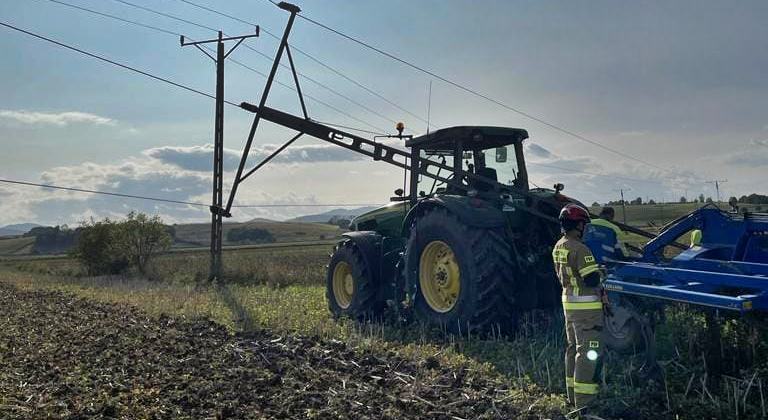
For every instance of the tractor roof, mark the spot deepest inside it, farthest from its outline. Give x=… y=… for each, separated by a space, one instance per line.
x=474 y=137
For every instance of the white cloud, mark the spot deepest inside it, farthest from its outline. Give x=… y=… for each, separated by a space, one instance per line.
x=59 y=119
x=200 y=158
x=755 y=155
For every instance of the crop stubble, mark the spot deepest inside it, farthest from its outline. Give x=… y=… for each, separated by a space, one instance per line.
x=67 y=357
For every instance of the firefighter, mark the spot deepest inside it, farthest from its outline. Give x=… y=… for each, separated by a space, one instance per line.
x=583 y=306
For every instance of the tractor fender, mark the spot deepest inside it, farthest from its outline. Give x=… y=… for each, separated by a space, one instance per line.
x=369 y=244
x=471 y=211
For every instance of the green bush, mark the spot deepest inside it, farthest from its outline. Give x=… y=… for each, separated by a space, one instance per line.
x=111 y=247
x=250 y=234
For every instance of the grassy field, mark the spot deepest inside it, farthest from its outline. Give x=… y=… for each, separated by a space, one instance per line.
x=19 y=245
x=200 y=234
x=657 y=215
x=282 y=290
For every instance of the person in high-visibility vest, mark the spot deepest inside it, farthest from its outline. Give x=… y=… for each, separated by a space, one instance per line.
x=695 y=237
x=583 y=306
x=606 y=219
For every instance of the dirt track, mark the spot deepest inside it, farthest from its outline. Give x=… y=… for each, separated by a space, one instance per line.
x=65 y=357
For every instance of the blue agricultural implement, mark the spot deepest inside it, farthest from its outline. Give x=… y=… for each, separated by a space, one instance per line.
x=724 y=269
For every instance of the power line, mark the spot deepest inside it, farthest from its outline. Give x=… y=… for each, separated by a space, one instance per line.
x=200 y=25
x=165 y=200
x=85 y=9
x=168 y=15
x=306 y=54
x=115 y=63
x=594 y=173
x=166 y=31
x=476 y=93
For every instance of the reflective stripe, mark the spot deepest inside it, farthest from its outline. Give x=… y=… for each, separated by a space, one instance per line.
x=586 y=388
x=582 y=306
x=588 y=270
x=560 y=255
x=568 y=382
x=590 y=298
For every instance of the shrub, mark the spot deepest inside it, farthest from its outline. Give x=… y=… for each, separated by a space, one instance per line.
x=250 y=234
x=98 y=248
x=110 y=247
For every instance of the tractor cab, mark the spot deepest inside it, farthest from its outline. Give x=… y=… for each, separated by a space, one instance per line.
x=493 y=154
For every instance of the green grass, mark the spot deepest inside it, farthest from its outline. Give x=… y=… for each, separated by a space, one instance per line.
x=282 y=289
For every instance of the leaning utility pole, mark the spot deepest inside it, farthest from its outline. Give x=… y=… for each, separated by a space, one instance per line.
x=717 y=183
x=623 y=203
x=218 y=146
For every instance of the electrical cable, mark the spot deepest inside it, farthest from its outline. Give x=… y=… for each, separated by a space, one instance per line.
x=474 y=92
x=115 y=63
x=315 y=59
x=166 y=31
x=177 y=18
x=164 y=200
x=593 y=173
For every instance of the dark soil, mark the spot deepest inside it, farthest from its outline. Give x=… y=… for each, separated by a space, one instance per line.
x=66 y=357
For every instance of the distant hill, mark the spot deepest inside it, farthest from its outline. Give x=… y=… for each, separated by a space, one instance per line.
x=324 y=217
x=261 y=219
x=19 y=229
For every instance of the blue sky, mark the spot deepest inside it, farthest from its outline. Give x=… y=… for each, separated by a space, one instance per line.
x=680 y=84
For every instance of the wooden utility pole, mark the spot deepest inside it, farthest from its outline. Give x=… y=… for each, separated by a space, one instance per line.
x=218 y=146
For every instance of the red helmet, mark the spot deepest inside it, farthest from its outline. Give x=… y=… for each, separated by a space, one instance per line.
x=574 y=213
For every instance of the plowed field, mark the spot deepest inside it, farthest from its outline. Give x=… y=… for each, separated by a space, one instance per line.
x=66 y=357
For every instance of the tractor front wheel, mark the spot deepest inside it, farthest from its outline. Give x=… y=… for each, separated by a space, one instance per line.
x=350 y=287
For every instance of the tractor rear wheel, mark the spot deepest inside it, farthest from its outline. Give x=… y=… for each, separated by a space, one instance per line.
x=350 y=288
x=462 y=274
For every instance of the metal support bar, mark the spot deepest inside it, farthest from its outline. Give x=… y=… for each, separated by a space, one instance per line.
x=244 y=158
x=296 y=80
x=184 y=44
x=685 y=296
x=268 y=158
x=205 y=52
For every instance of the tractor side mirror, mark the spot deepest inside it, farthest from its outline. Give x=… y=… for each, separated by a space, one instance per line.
x=501 y=154
x=398 y=196
x=559 y=187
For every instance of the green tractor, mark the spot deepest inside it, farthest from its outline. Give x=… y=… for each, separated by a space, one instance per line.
x=468 y=249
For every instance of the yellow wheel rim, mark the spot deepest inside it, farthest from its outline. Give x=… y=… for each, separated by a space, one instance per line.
x=439 y=276
x=343 y=284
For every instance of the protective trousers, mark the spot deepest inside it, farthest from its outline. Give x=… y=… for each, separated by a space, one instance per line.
x=583 y=356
